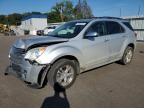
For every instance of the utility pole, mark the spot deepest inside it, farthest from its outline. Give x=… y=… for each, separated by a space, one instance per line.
x=120 y=12
x=61 y=13
x=139 y=9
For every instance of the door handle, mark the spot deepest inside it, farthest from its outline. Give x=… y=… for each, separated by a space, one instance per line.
x=124 y=36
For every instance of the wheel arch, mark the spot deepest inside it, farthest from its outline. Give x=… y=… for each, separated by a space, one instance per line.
x=131 y=45
x=70 y=57
x=43 y=73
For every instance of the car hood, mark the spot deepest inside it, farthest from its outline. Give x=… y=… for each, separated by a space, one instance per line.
x=37 y=40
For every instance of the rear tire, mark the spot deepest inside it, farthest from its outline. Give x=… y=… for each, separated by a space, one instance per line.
x=127 y=56
x=63 y=72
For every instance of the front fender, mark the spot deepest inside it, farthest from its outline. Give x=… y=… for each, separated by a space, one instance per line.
x=50 y=57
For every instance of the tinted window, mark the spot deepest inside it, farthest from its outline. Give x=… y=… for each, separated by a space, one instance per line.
x=114 y=27
x=98 y=27
x=128 y=25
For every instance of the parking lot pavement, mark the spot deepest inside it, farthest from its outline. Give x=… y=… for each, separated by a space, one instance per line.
x=110 y=86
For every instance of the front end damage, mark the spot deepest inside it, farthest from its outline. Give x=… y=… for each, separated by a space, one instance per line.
x=23 y=55
x=33 y=73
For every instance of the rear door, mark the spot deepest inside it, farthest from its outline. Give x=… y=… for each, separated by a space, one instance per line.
x=116 y=37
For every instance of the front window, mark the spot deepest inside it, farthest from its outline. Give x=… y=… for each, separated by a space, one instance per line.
x=68 y=30
x=98 y=27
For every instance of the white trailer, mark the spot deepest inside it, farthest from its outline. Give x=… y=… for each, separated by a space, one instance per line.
x=33 y=23
x=138 y=24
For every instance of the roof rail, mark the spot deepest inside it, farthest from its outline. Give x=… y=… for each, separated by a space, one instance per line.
x=108 y=17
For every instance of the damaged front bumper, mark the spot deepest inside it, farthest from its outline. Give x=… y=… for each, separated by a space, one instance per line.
x=34 y=74
x=30 y=72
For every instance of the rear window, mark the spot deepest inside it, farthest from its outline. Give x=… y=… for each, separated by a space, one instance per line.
x=114 y=27
x=128 y=25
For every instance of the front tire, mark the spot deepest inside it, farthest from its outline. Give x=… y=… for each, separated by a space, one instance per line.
x=63 y=72
x=127 y=56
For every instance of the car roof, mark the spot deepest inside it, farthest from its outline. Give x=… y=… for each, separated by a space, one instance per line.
x=101 y=19
x=82 y=20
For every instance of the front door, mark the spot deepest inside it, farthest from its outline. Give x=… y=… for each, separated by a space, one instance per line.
x=95 y=49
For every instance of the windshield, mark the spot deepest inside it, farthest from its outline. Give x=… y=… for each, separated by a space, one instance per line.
x=68 y=30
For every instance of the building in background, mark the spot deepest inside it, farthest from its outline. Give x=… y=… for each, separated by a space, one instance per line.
x=30 y=24
x=33 y=23
x=138 y=24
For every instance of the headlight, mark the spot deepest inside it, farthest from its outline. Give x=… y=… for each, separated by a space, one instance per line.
x=35 y=53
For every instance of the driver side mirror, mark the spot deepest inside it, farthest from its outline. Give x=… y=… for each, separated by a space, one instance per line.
x=91 y=34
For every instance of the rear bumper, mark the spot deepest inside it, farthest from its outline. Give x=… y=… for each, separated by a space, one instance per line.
x=28 y=72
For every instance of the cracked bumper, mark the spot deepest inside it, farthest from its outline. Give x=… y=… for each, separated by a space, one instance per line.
x=25 y=71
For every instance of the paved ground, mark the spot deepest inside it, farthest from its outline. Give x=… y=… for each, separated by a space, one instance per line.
x=111 y=86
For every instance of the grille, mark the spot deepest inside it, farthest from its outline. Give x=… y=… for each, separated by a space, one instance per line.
x=17 y=55
x=16 y=67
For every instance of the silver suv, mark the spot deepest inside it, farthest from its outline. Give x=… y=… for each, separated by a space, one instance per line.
x=72 y=48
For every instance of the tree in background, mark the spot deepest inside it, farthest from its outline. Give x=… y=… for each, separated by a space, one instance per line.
x=82 y=10
x=58 y=9
x=53 y=17
x=13 y=19
x=62 y=11
x=68 y=11
x=65 y=11
x=3 y=19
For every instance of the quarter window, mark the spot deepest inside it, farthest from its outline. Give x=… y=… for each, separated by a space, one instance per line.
x=114 y=27
x=128 y=25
